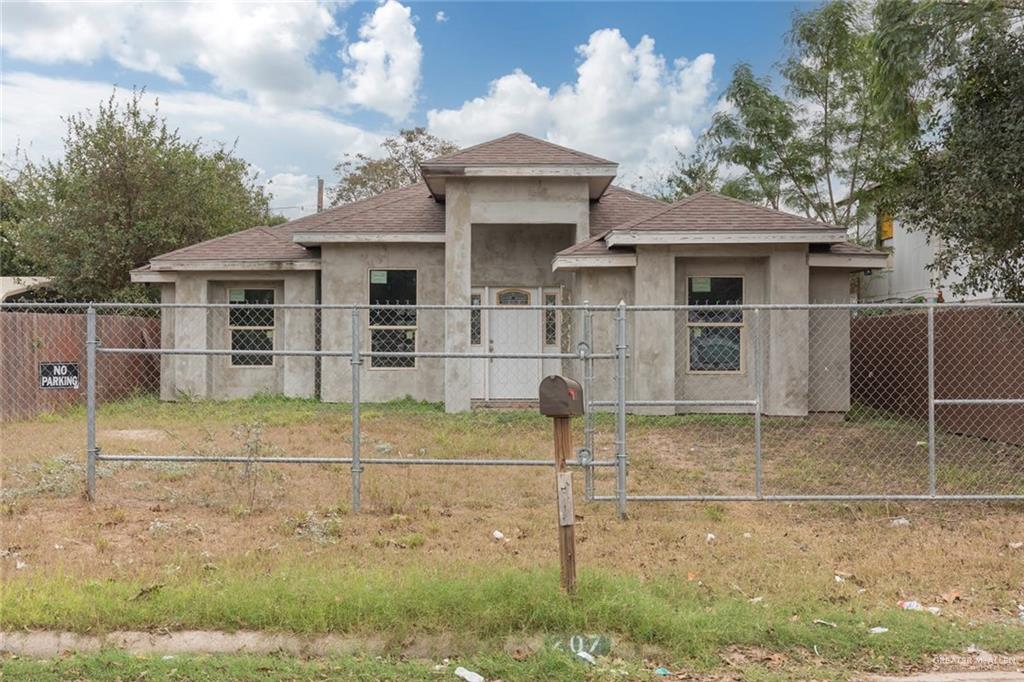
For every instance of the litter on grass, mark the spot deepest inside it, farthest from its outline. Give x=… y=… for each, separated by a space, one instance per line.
x=878 y=630
x=899 y=521
x=468 y=675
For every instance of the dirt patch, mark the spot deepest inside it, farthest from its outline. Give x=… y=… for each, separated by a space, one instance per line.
x=135 y=435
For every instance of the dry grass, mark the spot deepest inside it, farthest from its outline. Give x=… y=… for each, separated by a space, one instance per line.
x=152 y=520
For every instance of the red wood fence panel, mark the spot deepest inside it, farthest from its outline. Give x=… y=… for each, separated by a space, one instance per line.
x=30 y=338
x=979 y=353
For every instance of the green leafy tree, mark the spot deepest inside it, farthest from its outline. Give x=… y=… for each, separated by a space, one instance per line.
x=127 y=188
x=918 y=46
x=700 y=171
x=13 y=260
x=823 y=139
x=966 y=183
x=361 y=176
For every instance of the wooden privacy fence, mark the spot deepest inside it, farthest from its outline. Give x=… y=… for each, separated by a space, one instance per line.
x=31 y=339
x=979 y=353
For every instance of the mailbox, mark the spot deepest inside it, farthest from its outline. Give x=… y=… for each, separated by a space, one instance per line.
x=560 y=397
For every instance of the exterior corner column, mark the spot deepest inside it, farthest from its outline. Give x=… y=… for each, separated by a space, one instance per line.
x=192 y=376
x=457 y=286
x=654 y=337
x=787 y=376
x=299 y=334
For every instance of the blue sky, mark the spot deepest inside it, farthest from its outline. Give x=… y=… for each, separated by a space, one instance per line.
x=299 y=85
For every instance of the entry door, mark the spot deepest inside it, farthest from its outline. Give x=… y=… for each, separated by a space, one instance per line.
x=513 y=329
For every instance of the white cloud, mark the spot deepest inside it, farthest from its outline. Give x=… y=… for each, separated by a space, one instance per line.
x=263 y=50
x=385 y=71
x=314 y=140
x=627 y=104
x=441 y=17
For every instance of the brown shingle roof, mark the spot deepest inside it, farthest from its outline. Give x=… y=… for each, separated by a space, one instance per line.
x=519 y=150
x=619 y=205
x=710 y=211
x=851 y=249
x=256 y=244
x=409 y=209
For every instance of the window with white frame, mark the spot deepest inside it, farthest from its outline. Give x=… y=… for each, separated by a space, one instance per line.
x=715 y=337
x=392 y=330
x=251 y=329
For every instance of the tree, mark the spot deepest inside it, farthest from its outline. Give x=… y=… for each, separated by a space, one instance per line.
x=965 y=184
x=13 y=260
x=700 y=171
x=362 y=176
x=918 y=46
x=128 y=188
x=824 y=139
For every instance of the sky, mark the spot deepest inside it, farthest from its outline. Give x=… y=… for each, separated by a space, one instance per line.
x=298 y=85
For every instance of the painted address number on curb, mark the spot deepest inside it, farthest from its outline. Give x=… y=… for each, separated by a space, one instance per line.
x=58 y=375
x=595 y=645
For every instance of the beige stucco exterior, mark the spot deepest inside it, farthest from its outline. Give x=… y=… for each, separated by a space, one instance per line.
x=504 y=232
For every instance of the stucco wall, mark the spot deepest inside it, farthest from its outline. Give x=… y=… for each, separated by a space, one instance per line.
x=345 y=272
x=723 y=385
x=472 y=207
x=829 y=342
x=212 y=376
x=605 y=286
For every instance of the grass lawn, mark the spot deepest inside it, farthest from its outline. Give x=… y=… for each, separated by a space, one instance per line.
x=417 y=577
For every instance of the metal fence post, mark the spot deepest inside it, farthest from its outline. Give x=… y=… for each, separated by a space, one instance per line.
x=931 y=400
x=357 y=361
x=90 y=403
x=759 y=397
x=586 y=351
x=620 y=407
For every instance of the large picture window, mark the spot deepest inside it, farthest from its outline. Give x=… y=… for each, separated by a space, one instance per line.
x=392 y=330
x=715 y=336
x=251 y=329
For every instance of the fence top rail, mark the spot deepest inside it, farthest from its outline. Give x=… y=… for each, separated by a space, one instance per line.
x=300 y=306
x=571 y=307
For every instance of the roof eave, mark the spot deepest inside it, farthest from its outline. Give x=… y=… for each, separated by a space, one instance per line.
x=218 y=264
x=610 y=260
x=661 y=237
x=599 y=176
x=313 y=238
x=852 y=262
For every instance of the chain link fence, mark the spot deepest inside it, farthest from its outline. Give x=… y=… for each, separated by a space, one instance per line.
x=685 y=403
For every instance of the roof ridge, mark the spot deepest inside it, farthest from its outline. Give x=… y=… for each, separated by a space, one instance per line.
x=583 y=156
x=470 y=147
x=638 y=221
x=641 y=195
x=575 y=152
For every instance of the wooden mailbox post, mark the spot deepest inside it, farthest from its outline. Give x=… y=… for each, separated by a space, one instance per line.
x=562 y=399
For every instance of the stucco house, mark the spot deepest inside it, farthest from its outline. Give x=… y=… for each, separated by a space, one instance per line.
x=513 y=221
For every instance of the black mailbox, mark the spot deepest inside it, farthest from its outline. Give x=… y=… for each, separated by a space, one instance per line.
x=560 y=397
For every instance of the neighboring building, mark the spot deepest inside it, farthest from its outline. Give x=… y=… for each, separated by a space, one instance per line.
x=905 y=276
x=10 y=287
x=509 y=222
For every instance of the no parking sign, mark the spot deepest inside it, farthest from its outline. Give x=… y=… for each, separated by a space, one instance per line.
x=58 y=375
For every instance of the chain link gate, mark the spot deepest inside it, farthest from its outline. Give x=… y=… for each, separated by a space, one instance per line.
x=910 y=402
x=757 y=402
